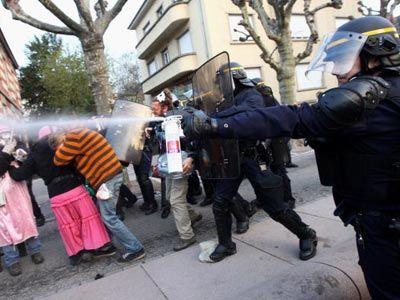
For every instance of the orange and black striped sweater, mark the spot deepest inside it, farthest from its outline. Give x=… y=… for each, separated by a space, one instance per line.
x=91 y=155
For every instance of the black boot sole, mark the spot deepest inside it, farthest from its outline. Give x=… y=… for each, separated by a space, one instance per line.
x=226 y=254
x=312 y=254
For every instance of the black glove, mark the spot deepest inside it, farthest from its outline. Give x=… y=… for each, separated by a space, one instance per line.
x=197 y=125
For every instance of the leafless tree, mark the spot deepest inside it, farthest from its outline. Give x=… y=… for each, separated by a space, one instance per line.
x=277 y=29
x=125 y=78
x=88 y=30
x=385 y=10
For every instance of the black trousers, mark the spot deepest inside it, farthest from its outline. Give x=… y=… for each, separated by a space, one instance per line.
x=37 y=212
x=379 y=255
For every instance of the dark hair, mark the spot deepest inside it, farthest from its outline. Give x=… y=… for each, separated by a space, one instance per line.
x=167 y=101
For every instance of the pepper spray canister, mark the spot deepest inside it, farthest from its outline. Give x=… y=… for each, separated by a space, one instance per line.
x=172 y=129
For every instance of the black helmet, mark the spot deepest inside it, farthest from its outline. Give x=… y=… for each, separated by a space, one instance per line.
x=237 y=72
x=382 y=36
x=262 y=87
x=365 y=37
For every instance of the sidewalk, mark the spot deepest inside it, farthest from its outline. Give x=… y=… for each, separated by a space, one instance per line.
x=265 y=267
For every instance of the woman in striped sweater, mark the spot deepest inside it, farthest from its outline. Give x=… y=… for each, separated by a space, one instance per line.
x=95 y=159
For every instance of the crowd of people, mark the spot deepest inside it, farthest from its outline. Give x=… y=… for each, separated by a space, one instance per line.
x=87 y=193
x=353 y=129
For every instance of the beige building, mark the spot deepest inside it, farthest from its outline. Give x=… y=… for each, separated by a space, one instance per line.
x=10 y=98
x=176 y=37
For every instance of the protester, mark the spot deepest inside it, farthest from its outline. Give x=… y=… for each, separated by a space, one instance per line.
x=94 y=158
x=17 y=223
x=176 y=188
x=77 y=217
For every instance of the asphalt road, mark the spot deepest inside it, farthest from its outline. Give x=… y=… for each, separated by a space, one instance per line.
x=156 y=234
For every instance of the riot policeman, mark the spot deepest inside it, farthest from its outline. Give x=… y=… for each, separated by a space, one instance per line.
x=268 y=187
x=355 y=132
x=277 y=145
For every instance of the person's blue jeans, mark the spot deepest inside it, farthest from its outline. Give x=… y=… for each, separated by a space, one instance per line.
x=11 y=255
x=116 y=227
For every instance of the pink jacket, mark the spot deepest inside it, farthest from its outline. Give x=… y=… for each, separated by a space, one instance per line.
x=17 y=222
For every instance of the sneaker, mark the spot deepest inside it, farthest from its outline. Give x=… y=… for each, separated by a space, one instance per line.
x=15 y=269
x=108 y=250
x=76 y=259
x=40 y=221
x=37 y=258
x=165 y=211
x=126 y=257
x=196 y=219
x=151 y=209
x=86 y=256
x=206 y=201
x=183 y=244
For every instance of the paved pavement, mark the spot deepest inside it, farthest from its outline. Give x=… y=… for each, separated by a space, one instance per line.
x=265 y=267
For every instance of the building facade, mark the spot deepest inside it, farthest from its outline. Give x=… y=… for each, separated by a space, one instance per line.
x=176 y=37
x=10 y=97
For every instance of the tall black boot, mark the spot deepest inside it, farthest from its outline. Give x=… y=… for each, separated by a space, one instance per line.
x=226 y=247
x=242 y=221
x=307 y=236
x=146 y=186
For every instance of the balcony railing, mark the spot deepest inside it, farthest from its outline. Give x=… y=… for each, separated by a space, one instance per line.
x=177 y=68
x=173 y=18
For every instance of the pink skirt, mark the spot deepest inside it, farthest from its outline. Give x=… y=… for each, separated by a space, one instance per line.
x=79 y=221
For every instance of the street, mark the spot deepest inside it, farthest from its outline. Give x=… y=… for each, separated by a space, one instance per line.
x=157 y=235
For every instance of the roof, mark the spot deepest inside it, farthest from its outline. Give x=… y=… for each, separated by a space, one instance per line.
x=140 y=13
x=3 y=41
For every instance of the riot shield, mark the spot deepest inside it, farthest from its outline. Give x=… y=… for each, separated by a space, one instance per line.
x=125 y=130
x=212 y=93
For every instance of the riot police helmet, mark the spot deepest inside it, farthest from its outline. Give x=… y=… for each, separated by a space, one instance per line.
x=365 y=37
x=262 y=87
x=237 y=71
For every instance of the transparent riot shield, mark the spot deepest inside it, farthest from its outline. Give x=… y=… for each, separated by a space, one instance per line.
x=212 y=93
x=125 y=130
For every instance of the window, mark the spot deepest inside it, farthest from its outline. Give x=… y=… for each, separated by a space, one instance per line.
x=152 y=67
x=146 y=27
x=299 y=27
x=185 y=43
x=165 y=56
x=312 y=81
x=341 y=21
x=238 y=32
x=253 y=72
x=160 y=11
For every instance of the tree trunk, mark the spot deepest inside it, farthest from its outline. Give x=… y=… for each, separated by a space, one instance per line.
x=96 y=66
x=286 y=73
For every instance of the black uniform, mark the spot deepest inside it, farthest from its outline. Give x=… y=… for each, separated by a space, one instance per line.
x=363 y=168
x=267 y=186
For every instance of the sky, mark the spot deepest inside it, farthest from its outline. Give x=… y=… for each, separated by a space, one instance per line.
x=118 y=39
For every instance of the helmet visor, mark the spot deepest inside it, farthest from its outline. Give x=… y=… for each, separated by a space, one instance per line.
x=338 y=52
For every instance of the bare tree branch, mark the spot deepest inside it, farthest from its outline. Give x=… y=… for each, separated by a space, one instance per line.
x=268 y=24
x=265 y=55
x=84 y=13
x=393 y=6
x=61 y=16
x=19 y=14
x=289 y=7
x=309 y=15
x=111 y=14
x=333 y=3
x=366 y=10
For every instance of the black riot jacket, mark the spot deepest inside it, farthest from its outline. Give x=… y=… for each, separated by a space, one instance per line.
x=364 y=157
